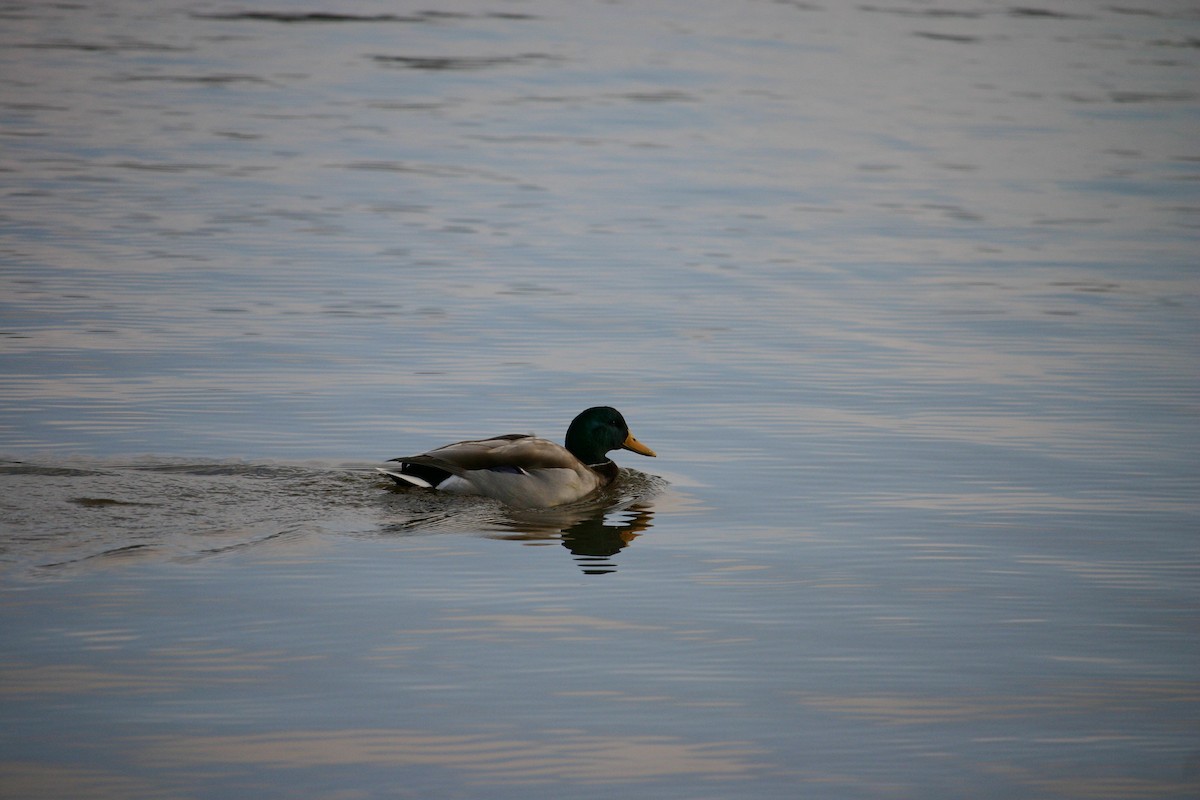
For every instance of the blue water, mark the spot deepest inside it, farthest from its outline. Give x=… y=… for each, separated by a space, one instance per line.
x=904 y=296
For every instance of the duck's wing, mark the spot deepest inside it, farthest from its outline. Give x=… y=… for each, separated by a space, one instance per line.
x=511 y=453
x=519 y=471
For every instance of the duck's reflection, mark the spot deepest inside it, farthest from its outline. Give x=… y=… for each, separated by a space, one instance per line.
x=592 y=535
x=594 y=530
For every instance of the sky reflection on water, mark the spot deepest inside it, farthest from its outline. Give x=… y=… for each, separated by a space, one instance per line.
x=905 y=297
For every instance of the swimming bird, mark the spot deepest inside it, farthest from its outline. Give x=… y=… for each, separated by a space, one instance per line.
x=522 y=470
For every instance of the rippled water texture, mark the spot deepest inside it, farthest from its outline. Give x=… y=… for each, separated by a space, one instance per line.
x=903 y=294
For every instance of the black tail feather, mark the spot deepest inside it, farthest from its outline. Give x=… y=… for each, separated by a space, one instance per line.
x=431 y=475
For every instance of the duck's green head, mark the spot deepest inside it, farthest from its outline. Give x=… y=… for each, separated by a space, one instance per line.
x=600 y=429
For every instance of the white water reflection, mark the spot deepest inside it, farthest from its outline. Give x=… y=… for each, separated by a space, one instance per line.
x=510 y=758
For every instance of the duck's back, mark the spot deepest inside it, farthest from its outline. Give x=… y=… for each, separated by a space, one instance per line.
x=517 y=469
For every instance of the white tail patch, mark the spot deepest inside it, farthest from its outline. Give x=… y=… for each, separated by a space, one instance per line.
x=411 y=480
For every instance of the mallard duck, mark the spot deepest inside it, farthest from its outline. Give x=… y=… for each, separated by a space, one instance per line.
x=523 y=471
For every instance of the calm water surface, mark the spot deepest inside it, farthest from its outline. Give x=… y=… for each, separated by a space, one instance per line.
x=905 y=296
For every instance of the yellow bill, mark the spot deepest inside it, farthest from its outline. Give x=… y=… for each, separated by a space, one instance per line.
x=633 y=444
